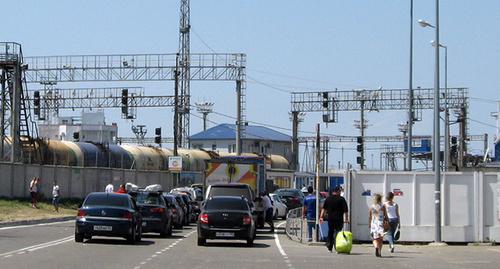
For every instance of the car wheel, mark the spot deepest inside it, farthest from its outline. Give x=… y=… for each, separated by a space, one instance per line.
x=138 y=237
x=250 y=242
x=131 y=237
x=201 y=241
x=275 y=216
x=78 y=237
x=286 y=213
x=169 y=231
x=164 y=231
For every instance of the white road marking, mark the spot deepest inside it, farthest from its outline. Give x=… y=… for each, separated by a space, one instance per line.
x=33 y=225
x=278 y=245
x=164 y=250
x=37 y=247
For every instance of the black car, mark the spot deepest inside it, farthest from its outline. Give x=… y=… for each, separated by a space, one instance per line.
x=292 y=197
x=190 y=206
x=225 y=217
x=176 y=209
x=155 y=212
x=108 y=214
x=184 y=206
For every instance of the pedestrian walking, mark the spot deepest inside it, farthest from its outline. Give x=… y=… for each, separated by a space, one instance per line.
x=376 y=216
x=55 y=196
x=109 y=187
x=267 y=206
x=394 y=219
x=121 y=189
x=34 y=192
x=309 y=211
x=335 y=207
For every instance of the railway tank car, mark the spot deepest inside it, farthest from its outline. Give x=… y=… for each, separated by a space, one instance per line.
x=119 y=157
x=56 y=152
x=145 y=158
x=86 y=154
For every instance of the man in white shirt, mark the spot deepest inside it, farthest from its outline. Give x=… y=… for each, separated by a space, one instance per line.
x=55 y=196
x=267 y=206
x=109 y=187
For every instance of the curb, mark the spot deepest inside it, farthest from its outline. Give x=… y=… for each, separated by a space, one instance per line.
x=35 y=221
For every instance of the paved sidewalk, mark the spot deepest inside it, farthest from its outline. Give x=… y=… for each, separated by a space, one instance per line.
x=35 y=221
x=405 y=256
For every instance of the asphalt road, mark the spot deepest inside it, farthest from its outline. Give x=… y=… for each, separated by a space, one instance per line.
x=52 y=246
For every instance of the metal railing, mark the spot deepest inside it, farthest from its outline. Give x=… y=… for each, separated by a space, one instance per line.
x=296 y=227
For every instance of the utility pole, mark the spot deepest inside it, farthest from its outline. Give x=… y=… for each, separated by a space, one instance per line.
x=184 y=75
x=204 y=108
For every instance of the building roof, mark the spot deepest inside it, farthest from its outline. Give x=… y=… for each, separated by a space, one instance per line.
x=228 y=131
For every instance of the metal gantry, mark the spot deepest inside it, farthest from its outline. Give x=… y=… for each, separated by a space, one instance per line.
x=47 y=102
x=51 y=70
x=331 y=102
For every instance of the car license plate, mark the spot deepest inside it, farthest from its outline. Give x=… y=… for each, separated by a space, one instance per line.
x=221 y=234
x=103 y=228
x=144 y=224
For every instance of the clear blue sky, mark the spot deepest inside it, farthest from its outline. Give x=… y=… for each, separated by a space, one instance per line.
x=291 y=46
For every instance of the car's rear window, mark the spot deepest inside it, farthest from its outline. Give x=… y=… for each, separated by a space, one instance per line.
x=226 y=204
x=170 y=199
x=231 y=191
x=147 y=198
x=105 y=200
x=287 y=193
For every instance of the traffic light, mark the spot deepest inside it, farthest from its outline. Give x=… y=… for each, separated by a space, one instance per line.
x=124 y=97
x=454 y=144
x=359 y=147
x=325 y=102
x=125 y=101
x=158 y=135
x=36 y=98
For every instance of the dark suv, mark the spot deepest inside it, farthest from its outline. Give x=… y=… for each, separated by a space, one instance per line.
x=155 y=211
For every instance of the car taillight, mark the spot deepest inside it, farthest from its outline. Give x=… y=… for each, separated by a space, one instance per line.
x=127 y=215
x=157 y=209
x=204 y=218
x=247 y=220
x=81 y=214
x=174 y=211
x=293 y=199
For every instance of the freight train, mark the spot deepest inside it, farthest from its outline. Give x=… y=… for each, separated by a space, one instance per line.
x=87 y=154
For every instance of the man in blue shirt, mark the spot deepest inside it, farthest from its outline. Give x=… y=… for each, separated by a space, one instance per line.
x=309 y=210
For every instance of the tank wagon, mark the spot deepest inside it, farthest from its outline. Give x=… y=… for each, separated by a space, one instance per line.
x=86 y=154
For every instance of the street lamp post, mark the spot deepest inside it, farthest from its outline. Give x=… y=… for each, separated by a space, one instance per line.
x=446 y=155
x=410 y=95
x=436 y=135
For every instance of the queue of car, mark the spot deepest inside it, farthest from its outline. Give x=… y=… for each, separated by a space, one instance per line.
x=226 y=212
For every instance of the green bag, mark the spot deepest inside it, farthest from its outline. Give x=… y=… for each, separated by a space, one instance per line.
x=343 y=242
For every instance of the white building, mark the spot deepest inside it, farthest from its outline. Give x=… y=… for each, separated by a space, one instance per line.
x=91 y=127
x=255 y=139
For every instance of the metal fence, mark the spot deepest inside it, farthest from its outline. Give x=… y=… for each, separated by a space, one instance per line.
x=296 y=227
